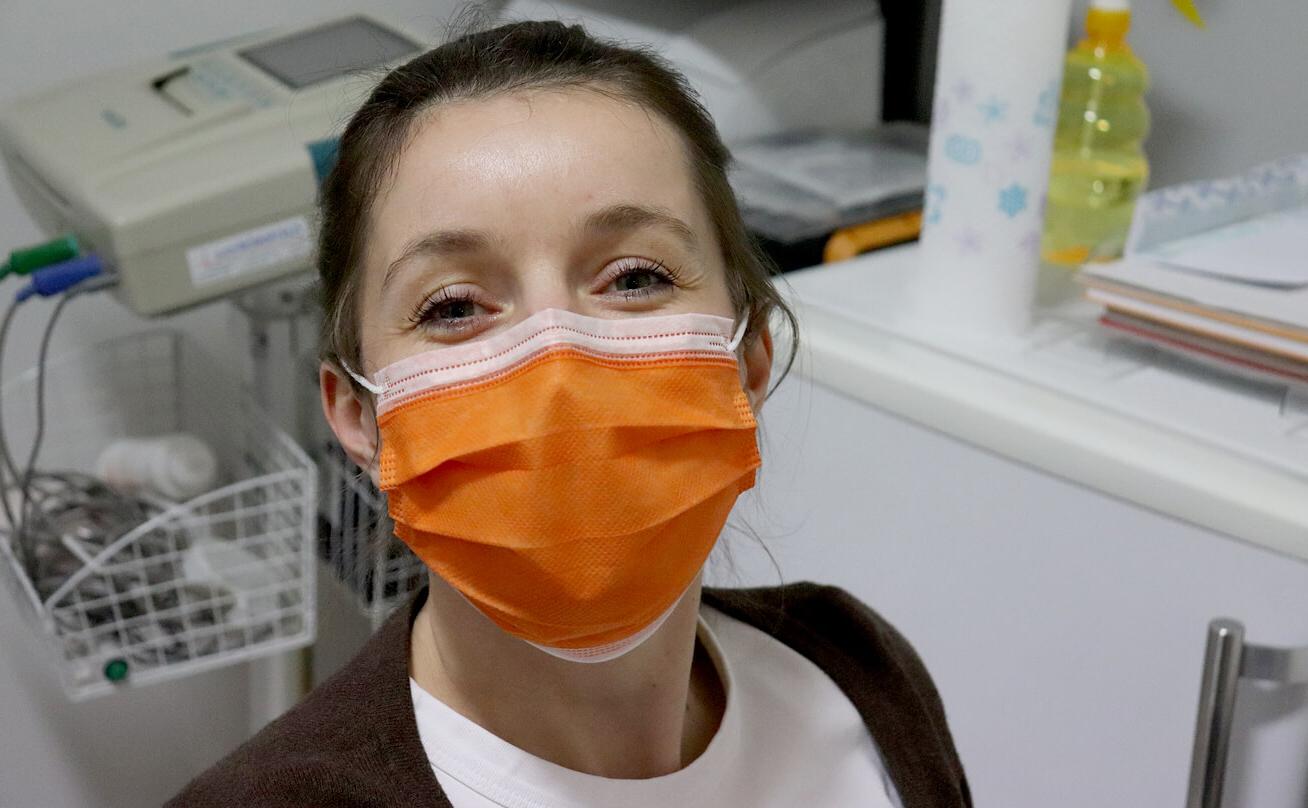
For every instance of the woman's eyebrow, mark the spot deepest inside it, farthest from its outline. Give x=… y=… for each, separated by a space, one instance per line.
x=629 y=216
x=439 y=242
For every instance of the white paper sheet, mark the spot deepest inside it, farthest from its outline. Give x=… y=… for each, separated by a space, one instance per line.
x=1270 y=250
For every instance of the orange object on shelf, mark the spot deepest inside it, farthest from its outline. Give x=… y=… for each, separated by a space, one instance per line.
x=848 y=242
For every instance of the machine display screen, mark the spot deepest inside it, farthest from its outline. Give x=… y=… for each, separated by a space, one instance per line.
x=323 y=53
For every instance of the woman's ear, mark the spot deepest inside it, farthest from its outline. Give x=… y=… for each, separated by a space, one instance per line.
x=349 y=417
x=756 y=367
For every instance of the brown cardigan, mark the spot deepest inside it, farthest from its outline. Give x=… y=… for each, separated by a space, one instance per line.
x=354 y=741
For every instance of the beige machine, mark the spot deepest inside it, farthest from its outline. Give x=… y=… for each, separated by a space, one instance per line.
x=194 y=175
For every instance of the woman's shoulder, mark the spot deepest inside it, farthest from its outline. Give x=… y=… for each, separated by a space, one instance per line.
x=876 y=668
x=824 y=619
x=351 y=741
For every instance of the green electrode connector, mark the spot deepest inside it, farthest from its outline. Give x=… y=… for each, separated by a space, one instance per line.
x=29 y=259
x=115 y=670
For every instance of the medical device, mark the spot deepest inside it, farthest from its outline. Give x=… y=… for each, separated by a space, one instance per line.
x=760 y=66
x=176 y=181
x=193 y=176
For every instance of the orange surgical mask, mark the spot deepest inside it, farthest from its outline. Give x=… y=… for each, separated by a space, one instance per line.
x=570 y=475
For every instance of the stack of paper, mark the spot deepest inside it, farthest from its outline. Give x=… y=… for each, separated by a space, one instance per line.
x=1218 y=270
x=801 y=185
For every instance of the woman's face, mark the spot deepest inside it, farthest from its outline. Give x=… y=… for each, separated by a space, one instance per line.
x=501 y=208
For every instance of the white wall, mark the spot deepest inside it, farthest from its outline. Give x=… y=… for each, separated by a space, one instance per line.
x=136 y=748
x=1224 y=98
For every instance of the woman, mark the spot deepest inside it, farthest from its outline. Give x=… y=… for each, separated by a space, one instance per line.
x=546 y=337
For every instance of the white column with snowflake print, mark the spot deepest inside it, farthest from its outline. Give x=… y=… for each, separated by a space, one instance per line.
x=996 y=102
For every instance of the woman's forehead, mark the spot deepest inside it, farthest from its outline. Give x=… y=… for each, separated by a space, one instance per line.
x=531 y=162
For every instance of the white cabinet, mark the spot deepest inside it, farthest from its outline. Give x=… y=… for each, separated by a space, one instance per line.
x=1064 y=626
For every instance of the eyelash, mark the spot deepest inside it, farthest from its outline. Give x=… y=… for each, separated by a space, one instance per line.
x=634 y=266
x=426 y=311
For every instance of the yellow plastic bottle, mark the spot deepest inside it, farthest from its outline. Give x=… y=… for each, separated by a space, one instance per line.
x=1099 y=166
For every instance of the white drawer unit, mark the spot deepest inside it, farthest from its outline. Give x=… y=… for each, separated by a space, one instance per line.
x=1053 y=525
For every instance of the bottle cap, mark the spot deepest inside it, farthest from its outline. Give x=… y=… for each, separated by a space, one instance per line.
x=1108 y=20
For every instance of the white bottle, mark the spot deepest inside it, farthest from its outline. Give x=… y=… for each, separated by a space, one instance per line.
x=177 y=466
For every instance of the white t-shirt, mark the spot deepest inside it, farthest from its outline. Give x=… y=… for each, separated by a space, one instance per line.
x=788 y=737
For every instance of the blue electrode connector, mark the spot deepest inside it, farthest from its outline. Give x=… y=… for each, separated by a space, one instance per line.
x=26 y=260
x=60 y=277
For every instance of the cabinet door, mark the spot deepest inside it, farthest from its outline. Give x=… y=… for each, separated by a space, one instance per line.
x=1065 y=629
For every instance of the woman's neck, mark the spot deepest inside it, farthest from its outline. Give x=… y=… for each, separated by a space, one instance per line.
x=648 y=713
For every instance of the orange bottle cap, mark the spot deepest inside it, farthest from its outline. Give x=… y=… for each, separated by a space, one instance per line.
x=1107 y=25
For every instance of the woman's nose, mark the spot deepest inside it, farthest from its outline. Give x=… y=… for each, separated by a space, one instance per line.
x=547 y=285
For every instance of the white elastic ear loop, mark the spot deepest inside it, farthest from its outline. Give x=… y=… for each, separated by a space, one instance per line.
x=375 y=389
x=739 y=336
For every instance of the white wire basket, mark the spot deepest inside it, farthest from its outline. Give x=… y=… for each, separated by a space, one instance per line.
x=358 y=540
x=224 y=577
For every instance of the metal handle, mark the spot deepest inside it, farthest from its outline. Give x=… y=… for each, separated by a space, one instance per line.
x=1212 y=734
x=1227 y=658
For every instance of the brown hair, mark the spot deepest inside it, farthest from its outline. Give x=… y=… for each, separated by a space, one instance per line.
x=521 y=56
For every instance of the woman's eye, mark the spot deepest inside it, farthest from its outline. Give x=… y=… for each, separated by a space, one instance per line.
x=448 y=311
x=455 y=310
x=640 y=280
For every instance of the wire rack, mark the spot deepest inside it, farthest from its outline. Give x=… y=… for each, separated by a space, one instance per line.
x=224 y=577
x=358 y=542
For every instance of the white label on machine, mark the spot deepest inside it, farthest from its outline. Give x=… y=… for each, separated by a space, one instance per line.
x=250 y=251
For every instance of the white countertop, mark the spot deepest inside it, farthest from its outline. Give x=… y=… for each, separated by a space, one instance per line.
x=1220 y=452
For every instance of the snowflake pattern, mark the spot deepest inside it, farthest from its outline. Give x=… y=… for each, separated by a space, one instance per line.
x=935 y=200
x=969 y=242
x=1046 y=113
x=1018 y=148
x=1225 y=198
x=1031 y=242
x=1012 y=200
x=962 y=149
x=993 y=110
x=942 y=113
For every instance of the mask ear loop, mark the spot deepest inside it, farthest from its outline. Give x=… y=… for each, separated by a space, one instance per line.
x=375 y=389
x=736 y=338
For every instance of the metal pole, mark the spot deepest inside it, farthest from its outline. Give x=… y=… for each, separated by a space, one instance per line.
x=1212 y=736
x=274 y=681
